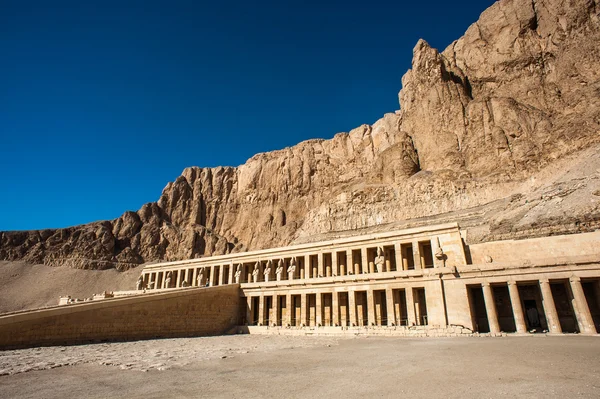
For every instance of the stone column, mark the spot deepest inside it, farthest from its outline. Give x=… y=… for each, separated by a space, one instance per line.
x=365 y=260
x=417 y=307
x=335 y=309
x=275 y=310
x=249 y=311
x=221 y=272
x=318 y=310
x=517 y=308
x=261 y=311
x=398 y=253
x=178 y=282
x=417 y=255
x=490 y=308
x=288 y=304
x=582 y=310
x=410 y=307
x=389 y=302
x=371 y=321
x=349 y=262
x=335 y=270
x=352 y=308
x=212 y=276
x=550 y=308
x=231 y=272
x=320 y=271
x=303 y=310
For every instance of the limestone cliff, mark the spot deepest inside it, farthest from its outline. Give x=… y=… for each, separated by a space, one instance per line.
x=518 y=92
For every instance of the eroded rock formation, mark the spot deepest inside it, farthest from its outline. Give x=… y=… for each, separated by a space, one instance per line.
x=520 y=90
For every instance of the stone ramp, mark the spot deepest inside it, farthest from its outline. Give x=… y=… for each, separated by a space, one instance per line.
x=188 y=312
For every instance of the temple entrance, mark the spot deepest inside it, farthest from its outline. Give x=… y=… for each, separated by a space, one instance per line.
x=563 y=301
x=479 y=315
x=504 y=308
x=591 y=289
x=535 y=319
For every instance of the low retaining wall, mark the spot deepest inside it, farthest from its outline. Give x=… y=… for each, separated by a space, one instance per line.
x=413 y=331
x=180 y=313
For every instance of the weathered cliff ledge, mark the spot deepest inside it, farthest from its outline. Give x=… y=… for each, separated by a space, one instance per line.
x=501 y=106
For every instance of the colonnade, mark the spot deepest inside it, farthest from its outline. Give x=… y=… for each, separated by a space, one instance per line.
x=345 y=261
x=576 y=297
x=368 y=307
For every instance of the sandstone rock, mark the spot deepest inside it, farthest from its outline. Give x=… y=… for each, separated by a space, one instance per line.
x=479 y=121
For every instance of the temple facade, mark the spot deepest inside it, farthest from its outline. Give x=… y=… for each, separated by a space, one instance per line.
x=425 y=278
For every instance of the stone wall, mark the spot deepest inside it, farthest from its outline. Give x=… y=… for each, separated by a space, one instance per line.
x=183 y=313
x=511 y=251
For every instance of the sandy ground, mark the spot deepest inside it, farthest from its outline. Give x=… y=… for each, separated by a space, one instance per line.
x=246 y=366
x=26 y=286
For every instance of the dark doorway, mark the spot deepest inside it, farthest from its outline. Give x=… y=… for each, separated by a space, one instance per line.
x=592 y=297
x=563 y=298
x=534 y=310
x=504 y=310
x=478 y=312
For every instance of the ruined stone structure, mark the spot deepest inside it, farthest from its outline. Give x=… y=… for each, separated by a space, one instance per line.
x=429 y=282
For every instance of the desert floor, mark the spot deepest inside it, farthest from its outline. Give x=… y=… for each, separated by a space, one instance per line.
x=253 y=366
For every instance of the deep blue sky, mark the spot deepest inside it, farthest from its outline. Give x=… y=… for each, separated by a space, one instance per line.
x=104 y=102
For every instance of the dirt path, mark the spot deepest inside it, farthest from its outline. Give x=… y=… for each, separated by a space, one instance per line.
x=316 y=367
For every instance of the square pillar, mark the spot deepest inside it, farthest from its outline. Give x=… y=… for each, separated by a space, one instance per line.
x=550 y=307
x=370 y=308
x=212 y=276
x=410 y=307
x=288 y=304
x=261 y=311
x=249 y=311
x=365 y=261
x=517 y=308
x=349 y=262
x=178 y=282
x=318 y=310
x=389 y=304
x=335 y=309
x=490 y=308
x=221 y=272
x=303 y=310
x=320 y=268
x=275 y=311
x=582 y=310
x=352 y=308
x=231 y=273
x=335 y=270
x=417 y=255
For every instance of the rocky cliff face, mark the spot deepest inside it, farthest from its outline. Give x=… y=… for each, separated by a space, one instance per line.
x=520 y=90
